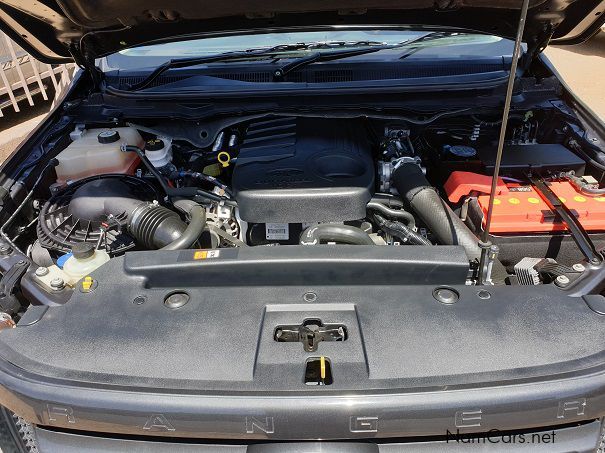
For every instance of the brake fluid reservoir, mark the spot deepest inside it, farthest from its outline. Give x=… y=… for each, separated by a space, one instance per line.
x=83 y=261
x=96 y=152
x=159 y=151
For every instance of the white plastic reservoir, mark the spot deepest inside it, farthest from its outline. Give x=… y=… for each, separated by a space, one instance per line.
x=96 y=152
x=85 y=259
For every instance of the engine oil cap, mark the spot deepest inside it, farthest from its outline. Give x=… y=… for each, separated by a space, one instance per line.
x=108 y=136
x=447 y=296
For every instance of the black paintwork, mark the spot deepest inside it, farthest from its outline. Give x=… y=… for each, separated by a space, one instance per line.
x=61 y=30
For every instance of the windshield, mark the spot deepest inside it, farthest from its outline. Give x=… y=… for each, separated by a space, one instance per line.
x=458 y=44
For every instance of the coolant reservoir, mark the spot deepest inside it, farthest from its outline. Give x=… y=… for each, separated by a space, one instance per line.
x=96 y=152
x=83 y=261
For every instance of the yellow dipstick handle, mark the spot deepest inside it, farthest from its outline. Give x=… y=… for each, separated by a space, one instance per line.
x=224 y=158
x=322 y=367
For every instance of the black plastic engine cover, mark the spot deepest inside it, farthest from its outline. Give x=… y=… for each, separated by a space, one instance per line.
x=296 y=170
x=534 y=157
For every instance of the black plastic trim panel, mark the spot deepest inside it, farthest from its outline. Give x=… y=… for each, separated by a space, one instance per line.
x=514 y=358
x=579 y=439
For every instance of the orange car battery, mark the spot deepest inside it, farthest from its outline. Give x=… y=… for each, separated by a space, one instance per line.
x=519 y=208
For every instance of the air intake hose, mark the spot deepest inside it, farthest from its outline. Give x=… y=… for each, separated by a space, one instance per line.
x=155 y=226
x=197 y=223
x=449 y=229
x=150 y=224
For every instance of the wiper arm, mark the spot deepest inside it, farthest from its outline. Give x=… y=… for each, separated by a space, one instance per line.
x=416 y=44
x=280 y=73
x=227 y=56
x=344 y=51
x=371 y=47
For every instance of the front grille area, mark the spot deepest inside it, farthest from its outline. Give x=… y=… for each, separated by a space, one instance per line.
x=16 y=434
x=581 y=437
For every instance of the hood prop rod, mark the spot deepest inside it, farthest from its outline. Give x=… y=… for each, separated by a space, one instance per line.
x=485 y=244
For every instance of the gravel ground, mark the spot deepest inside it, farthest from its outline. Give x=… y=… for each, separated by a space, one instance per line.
x=583 y=68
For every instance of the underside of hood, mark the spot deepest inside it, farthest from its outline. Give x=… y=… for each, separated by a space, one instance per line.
x=61 y=30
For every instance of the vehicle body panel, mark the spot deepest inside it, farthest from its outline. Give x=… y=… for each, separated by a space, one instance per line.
x=62 y=30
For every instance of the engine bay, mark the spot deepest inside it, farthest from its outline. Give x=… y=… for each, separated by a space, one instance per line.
x=307 y=181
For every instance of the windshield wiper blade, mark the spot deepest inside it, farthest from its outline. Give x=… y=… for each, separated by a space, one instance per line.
x=280 y=73
x=227 y=56
x=369 y=47
x=416 y=44
x=342 y=44
x=245 y=54
x=343 y=50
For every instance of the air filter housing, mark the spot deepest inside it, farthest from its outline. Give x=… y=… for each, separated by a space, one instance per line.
x=62 y=224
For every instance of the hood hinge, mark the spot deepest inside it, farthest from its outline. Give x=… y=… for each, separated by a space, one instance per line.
x=537 y=46
x=87 y=63
x=447 y=5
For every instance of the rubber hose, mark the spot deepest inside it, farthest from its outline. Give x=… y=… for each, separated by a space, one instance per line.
x=139 y=152
x=412 y=185
x=399 y=230
x=332 y=232
x=591 y=157
x=393 y=213
x=196 y=192
x=195 y=228
x=390 y=201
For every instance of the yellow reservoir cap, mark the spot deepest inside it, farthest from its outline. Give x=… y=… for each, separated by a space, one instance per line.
x=87 y=283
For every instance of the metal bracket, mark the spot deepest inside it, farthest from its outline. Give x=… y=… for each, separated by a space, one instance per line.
x=310 y=333
x=578 y=233
x=8 y=287
x=505 y=112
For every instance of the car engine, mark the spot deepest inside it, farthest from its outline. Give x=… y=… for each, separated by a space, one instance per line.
x=308 y=181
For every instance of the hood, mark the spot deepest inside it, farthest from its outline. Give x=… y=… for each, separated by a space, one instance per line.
x=81 y=30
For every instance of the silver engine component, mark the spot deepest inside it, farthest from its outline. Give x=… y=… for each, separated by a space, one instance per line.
x=385 y=169
x=526 y=273
x=225 y=229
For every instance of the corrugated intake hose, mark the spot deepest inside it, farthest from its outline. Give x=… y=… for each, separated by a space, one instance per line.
x=332 y=232
x=449 y=229
x=153 y=226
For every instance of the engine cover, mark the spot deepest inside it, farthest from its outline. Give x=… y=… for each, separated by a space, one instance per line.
x=296 y=170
